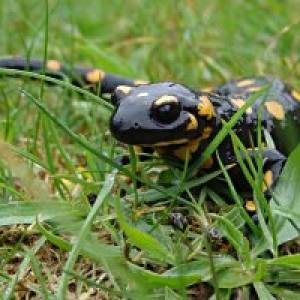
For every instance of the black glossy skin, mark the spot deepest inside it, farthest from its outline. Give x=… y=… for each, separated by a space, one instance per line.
x=134 y=120
x=285 y=131
x=79 y=76
x=133 y=123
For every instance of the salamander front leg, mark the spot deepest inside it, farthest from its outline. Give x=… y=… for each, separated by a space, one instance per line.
x=142 y=153
x=273 y=162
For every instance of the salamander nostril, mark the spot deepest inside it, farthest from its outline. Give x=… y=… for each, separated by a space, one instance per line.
x=116 y=124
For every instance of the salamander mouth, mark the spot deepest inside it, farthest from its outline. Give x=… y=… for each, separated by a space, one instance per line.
x=152 y=139
x=167 y=143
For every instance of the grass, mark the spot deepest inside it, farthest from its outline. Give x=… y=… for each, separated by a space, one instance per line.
x=57 y=156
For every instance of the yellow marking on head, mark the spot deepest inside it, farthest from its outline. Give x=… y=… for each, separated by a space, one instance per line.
x=186 y=150
x=193 y=123
x=165 y=100
x=205 y=108
x=245 y=82
x=125 y=89
x=207 y=89
x=296 y=94
x=275 y=109
x=94 y=76
x=250 y=205
x=53 y=65
x=254 y=89
x=240 y=103
x=142 y=94
x=141 y=82
x=206 y=132
x=208 y=163
x=268 y=180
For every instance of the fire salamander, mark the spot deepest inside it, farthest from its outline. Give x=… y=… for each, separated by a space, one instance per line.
x=177 y=121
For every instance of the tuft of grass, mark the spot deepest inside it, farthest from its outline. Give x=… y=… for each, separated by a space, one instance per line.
x=76 y=230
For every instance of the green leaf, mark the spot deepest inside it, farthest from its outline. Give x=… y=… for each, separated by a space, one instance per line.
x=284 y=293
x=236 y=238
x=152 y=195
x=22 y=269
x=284 y=275
x=109 y=257
x=262 y=292
x=83 y=233
x=26 y=212
x=234 y=277
x=185 y=274
x=141 y=239
x=289 y=260
x=287 y=193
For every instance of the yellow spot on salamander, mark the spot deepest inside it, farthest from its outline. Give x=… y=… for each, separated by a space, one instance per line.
x=268 y=180
x=142 y=94
x=185 y=151
x=296 y=95
x=168 y=143
x=165 y=100
x=208 y=163
x=205 y=108
x=140 y=82
x=125 y=89
x=193 y=145
x=206 y=133
x=275 y=109
x=245 y=82
x=208 y=89
x=193 y=123
x=182 y=153
x=250 y=206
x=94 y=76
x=254 y=89
x=53 y=65
x=240 y=103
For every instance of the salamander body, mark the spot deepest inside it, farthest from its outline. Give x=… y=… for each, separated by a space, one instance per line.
x=179 y=122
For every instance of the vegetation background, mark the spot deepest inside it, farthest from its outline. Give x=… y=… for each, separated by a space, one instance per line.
x=56 y=164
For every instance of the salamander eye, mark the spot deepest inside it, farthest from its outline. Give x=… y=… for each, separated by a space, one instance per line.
x=166 y=112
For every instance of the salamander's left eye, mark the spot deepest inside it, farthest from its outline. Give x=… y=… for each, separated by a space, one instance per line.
x=166 y=112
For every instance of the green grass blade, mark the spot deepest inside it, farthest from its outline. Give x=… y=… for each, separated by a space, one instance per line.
x=143 y=240
x=287 y=193
x=108 y=184
x=9 y=292
x=65 y=84
x=225 y=130
x=73 y=135
x=262 y=292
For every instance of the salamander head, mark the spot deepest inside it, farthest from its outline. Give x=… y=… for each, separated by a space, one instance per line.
x=159 y=114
